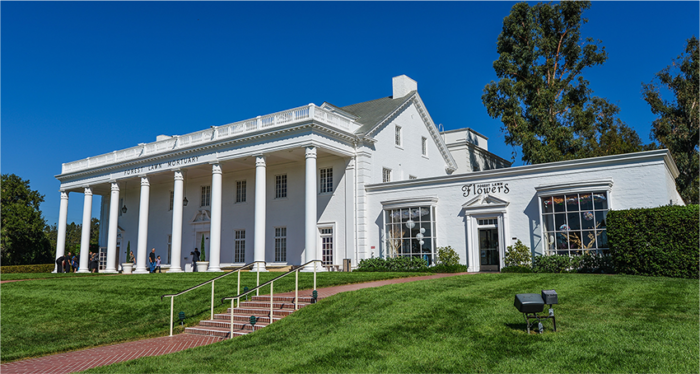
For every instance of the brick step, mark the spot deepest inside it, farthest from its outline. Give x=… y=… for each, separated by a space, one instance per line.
x=227 y=325
x=286 y=299
x=264 y=305
x=214 y=331
x=245 y=318
x=260 y=312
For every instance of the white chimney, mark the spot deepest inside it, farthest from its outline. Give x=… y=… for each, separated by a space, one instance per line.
x=402 y=86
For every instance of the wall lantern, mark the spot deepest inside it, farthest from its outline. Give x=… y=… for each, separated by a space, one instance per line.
x=184 y=201
x=124 y=209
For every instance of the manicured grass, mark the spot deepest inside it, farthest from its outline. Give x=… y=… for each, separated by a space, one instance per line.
x=40 y=317
x=13 y=276
x=606 y=324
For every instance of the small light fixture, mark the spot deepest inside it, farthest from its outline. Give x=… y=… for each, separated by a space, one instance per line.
x=124 y=209
x=184 y=201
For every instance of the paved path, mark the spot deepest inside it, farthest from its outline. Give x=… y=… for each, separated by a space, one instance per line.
x=71 y=362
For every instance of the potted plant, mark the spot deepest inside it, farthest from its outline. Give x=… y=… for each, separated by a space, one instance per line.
x=202 y=264
x=128 y=266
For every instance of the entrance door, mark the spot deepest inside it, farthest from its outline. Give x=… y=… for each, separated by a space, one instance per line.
x=488 y=249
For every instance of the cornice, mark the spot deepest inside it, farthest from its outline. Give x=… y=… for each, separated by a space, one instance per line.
x=656 y=155
x=314 y=125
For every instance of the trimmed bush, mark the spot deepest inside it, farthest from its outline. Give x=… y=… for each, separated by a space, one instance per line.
x=392 y=264
x=516 y=269
x=518 y=255
x=447 y=256
x=41 y=268
x=448 y=269
x=659 y=241
x=555 y=264
x=595 y=263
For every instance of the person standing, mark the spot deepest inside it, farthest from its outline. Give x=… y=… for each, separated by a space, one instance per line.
x=95 y=262
x=74 y=263
x=152 y=260
x=195 y=258
x=157 y=265
x=59 y=264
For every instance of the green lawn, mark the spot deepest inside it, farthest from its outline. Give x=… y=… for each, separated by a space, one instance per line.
x=13 y=276
x=65 y=313
x=606 y=324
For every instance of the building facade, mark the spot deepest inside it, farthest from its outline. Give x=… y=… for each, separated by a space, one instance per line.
x=331 y=183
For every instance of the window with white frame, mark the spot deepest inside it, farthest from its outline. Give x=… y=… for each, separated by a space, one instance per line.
x=172 y=199
x=326 y=180
x=239 y=246
x=240 y=191
x=280 y=244
x=575 y=223
x=280 y=186
x=409 y=232
x=424 y=146
x=397 y=135
x=386 y=175
x=327 y=246
x=206 y=196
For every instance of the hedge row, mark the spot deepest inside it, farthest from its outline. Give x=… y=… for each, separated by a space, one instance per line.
x=41 y=268
x=659 y=241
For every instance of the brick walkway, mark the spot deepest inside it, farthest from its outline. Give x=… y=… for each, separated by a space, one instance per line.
x=93 y=357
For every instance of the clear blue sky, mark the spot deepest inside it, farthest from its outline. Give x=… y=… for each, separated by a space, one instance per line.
x=81 y=79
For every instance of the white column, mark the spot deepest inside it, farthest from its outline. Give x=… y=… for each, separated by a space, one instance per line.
x=176 y=239
x=259 y=234
x=142 y=249
x=112 y=233
x=215 y=226
x=85 y=238
x=310 y=220
x=62 y=218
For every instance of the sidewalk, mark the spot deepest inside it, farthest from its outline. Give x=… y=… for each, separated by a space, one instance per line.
x=71 y=362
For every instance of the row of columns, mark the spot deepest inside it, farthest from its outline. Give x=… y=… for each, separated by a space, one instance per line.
x=310 y=210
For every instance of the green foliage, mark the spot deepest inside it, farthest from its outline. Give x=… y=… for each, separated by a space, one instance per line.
x=129 y=254
x=22 y=237
x=448 y=268
x=201 y=247
x=659 y=241
x=518 y=255
x=595 y=263
x=542 y=99
x=41 y=268
x=401 y=263
x=555 y=264
x=677 y=125
x=447 y=256
x=516 y=269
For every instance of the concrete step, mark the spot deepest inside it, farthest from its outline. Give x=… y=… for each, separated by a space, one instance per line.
x=214 y=331
x=260 y=312
x=266 y=305
x=237 y=326
x=244 y=318
x=284 y=299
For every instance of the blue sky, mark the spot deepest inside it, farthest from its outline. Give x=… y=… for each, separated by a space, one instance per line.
x=81 y=79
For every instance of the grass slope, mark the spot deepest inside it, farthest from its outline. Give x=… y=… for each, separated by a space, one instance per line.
x=41 y=317
x=606 y=324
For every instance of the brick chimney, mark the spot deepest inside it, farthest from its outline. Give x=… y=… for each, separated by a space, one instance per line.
x=402 y=85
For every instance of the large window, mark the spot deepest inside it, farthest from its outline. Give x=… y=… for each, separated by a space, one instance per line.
x=206 y=195
x=406 y=228
x=172 y=199
x=280 y=244
x=239 y=250
x=240 y=191
x=280 y=186
x=575 y=223
x=327 y=180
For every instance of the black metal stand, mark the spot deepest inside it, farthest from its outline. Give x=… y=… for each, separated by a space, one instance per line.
x=539 y=318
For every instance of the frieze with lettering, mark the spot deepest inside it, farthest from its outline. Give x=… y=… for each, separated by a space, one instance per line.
x=479 y=188
x=162 y=165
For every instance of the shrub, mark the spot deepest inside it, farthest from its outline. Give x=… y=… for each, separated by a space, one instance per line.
x=659 y=241
x=447 y=256
x=555 y=264
x=518 y=255
x=448 y=269
x=595 y=263
x=41 y=268
x=516 y=269
x=401 y=263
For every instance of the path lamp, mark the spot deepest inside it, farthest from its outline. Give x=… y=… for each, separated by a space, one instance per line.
x=181 y=316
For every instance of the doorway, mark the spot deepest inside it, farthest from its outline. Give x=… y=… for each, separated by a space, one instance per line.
x=488 y=249
x=198 y=244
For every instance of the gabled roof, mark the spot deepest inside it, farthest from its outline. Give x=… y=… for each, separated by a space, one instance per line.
x=372 y=112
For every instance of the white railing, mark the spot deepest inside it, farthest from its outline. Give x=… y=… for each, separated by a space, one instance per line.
x=300 y=114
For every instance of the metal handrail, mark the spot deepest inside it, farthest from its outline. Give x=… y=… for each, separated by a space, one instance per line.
x=271 y=283
x=172 y=296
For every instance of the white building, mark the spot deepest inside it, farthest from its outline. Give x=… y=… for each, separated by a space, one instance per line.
x=333 y=183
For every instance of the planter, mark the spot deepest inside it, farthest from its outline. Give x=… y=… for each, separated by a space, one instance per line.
x=202 y=266
x=127 y=268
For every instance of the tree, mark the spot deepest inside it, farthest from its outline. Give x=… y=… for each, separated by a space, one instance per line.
x=74 y=234
x=676 y=127
x=543 y=101
x=22 y=238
